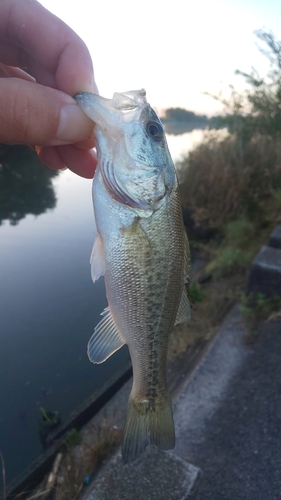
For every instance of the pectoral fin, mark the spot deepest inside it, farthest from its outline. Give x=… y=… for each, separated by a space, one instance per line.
x=105 y=340
x=97 y=259
x=183 y=314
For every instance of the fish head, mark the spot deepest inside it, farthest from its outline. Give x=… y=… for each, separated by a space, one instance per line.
x=133 y=153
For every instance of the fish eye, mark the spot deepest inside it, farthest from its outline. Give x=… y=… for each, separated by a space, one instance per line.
x=155 y=130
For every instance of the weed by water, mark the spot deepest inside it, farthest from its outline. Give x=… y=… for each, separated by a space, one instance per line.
x=77 y=462
x=74 y=439
x=80 y=463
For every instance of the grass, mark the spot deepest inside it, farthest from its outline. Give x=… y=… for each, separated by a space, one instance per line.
x=233 y=251
x=257 y=308
x=231 y=184
x=215 y=299
x=74 y=470
x=195 y=292
x=77 y=462
x=222 y=185
x=227 y=261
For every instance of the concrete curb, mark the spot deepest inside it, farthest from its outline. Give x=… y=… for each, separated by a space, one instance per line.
x=265 y=271
x=156 y=475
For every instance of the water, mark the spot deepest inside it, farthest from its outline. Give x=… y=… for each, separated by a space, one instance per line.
x=48 y=303
x=180 y=144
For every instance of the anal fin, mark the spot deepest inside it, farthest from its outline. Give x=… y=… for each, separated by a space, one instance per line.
x=105 y=340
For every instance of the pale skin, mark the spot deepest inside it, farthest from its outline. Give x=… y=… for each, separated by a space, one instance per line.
x=39 y=110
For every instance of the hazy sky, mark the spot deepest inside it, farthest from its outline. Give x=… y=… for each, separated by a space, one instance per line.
x=175 y=49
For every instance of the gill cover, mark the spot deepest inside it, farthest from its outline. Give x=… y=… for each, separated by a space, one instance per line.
x=132 y=148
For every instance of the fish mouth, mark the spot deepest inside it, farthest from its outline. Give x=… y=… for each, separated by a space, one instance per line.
x=124 y=107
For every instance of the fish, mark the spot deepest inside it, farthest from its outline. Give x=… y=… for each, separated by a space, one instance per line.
x=141 y=249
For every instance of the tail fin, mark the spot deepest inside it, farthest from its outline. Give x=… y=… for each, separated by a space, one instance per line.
x=142 y=428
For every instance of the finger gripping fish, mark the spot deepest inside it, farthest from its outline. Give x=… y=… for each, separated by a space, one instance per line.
x=141 y=249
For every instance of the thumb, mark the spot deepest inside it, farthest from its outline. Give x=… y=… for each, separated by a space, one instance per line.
x=34 y=114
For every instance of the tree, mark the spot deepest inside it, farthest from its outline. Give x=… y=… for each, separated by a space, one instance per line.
x=183 y=115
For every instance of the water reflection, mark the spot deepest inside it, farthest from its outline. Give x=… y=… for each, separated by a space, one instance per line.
x=180 y=145
x=25 y=184
x=179 y=128
x=48 y=308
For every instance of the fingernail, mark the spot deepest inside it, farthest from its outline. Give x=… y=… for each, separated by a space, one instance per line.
x=90 y=87
x=74 y=125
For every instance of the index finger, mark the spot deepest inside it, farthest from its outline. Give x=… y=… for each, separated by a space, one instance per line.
x=55 y=54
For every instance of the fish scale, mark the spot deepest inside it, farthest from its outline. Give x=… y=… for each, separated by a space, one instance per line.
x=142 y=251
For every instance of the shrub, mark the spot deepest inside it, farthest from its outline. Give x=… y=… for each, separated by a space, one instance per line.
x=238 y=173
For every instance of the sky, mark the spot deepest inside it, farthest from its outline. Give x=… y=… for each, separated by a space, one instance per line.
x=176 y=50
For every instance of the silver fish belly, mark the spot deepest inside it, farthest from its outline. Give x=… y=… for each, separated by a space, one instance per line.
x=141 y=249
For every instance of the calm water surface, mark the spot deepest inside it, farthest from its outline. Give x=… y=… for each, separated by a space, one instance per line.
x=48 y=306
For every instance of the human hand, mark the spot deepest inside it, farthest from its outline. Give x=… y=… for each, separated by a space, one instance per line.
x=40 y=111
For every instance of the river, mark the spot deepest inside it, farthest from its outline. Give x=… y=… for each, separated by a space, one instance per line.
x=48 y=303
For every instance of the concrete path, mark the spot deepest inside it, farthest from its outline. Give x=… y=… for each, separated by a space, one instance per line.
x=236 y=437
x=207 y=387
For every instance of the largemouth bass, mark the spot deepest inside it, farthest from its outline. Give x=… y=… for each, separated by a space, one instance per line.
x=141 y=249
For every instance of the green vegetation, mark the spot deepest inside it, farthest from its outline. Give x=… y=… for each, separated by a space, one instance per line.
x=231 y=185
x=47 y=415
x=195 y=292
x=235 y=249
x=232 y=180
x=237 y=174
x=257 y=308
x=78 y=460
x=72 y=440
x=221 y=184
x=208 y=308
